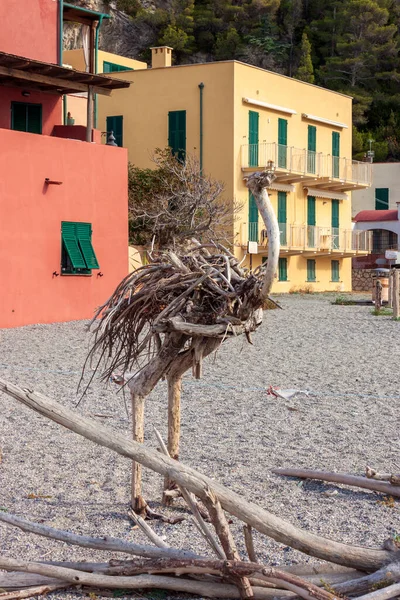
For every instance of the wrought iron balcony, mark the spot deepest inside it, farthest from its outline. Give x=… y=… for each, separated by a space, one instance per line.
x=293 y=165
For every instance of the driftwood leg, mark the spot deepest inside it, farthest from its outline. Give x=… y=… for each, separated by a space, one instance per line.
x=137 y=501
x=174 y=426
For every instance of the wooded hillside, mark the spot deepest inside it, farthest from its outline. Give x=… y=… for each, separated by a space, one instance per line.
x=347 y=45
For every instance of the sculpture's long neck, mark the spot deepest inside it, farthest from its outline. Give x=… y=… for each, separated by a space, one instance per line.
x=271 y=223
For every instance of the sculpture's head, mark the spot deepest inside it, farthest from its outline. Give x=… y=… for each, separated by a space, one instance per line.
x=260 y=180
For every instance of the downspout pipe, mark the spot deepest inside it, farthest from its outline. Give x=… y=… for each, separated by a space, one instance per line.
x=96 y=66
x=60 y=51
x=201 y=88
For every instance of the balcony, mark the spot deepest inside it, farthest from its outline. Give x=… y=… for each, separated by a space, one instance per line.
x=294 y=165
x=310 y=240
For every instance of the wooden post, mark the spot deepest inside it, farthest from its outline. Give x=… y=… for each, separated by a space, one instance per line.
x=89 y=116
x=174 y=425
x=137 y=502
x=390 y=291
x=396 y=294
x=378 y=295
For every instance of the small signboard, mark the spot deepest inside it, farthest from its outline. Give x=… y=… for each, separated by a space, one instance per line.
x=253 y=248
x=392 y=255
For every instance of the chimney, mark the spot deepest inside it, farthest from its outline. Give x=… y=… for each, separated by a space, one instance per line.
x=161 y=56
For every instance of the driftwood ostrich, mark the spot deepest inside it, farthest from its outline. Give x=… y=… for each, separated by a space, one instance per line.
x=168 y=316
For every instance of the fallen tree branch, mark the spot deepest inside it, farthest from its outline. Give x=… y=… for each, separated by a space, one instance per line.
x=192 y=503
x=392 y=591
x=248 y=539
x=225 y=536
x=317 y=574
x=387 y=575
x=33 y=591
x=372 y=474
x=368 y=559
x=152 y=535
x=201 y=588
x=351 y=480
x=104 y=543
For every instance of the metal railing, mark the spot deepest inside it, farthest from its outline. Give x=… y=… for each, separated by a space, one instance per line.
x=303 y=162
x=311 y=237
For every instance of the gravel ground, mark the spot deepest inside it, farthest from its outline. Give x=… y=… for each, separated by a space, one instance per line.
x=231 y=430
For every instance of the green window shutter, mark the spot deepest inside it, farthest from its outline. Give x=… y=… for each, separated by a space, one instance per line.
x=312 y=148
x=312 y=138
x=106 y=67
x=381 y=198
x=311 y=269
x=177 y=133
x=282 y=269
x=311 y=210
x=116 y=125
x=311 y=220
x=26 y=117
x=282 y=143
x=282 y=217
x=335 y=213
x=253 y=138
x=335 y=224
x=335 y=270
x=335 y=153
x=84 y=236
x=253 y=219
x=70 y=241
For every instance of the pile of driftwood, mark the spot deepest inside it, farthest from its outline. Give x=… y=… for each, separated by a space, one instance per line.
x=367 y=573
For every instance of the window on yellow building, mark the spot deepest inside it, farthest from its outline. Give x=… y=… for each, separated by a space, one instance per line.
x=282 y=269
x=253 y=138
x=335 y=270
x=177 y=133
x=253 y=219
x=311 y=149
x=311 y=274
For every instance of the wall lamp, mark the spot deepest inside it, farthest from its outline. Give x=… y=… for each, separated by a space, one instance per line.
x=26 y=94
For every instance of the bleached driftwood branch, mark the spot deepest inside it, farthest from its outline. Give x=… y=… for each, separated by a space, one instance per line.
x=351 y=480
x=368 y=559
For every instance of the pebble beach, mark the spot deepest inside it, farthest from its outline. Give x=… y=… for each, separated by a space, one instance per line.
x=346 y=360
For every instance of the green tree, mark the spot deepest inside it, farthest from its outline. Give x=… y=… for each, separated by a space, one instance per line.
x=305 y=71
x=174 y=37
x=365 y=50
x=289 y=18
x=228 y=45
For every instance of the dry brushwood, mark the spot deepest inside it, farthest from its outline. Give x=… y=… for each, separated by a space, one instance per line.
x=176 y=201
x=167 y=316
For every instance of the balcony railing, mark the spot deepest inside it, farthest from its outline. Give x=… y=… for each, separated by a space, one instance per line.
x=299 y=161
x=311 y=238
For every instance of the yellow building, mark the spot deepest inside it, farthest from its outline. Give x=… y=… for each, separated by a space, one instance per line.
x=107 y=62
x=238 y=119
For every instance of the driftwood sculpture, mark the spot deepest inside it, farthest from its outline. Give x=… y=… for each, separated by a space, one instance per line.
x=167 y=316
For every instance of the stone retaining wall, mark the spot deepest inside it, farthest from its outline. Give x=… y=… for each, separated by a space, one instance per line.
x=362 y=280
